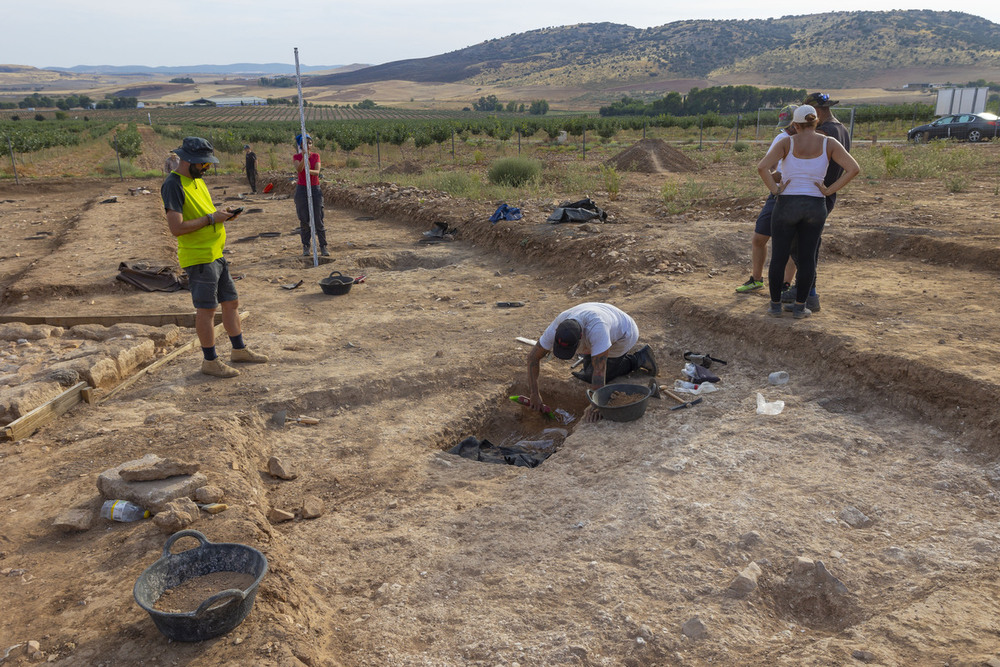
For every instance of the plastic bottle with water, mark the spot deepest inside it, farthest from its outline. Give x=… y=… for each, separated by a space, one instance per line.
x=123 y=510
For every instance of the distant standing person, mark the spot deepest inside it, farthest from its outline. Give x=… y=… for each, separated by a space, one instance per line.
x=302 y=197
x=826 y=123
x=800 y=208
x=201 y=235
x=762 y=229
x=251 y=168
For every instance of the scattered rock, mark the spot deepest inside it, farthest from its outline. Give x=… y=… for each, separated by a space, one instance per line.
x=208 y=494
x=803 y=565
x=74 y=520
x=749 y=540
x=176 y=515
x=312 y=507
x=854 y=517
x=159 y=469
x=746 y=581
x=279 y=516
x=277 y=469
x=868 y=656
x=694 y=628
x=66 y=377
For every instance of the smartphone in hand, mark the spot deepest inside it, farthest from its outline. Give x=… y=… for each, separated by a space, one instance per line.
x=234 y=214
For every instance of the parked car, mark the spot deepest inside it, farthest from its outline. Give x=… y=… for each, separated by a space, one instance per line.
x=970 y=126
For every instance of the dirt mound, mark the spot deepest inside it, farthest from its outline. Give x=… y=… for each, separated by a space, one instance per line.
x=652 y=156
x=404 y=167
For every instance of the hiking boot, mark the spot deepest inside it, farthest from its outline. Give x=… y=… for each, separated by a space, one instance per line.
x=216 y=368
x=245 y=355
x=323 y=251
x=583 y=375
x=788 y=294
x=812 y=302
x=645 y=361
x=750 y=285
x=305 y=251
x=800 y=311
x=774 y=309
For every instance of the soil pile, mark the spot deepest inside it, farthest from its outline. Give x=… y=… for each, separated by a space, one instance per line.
x=652 y=156
x=404 y=167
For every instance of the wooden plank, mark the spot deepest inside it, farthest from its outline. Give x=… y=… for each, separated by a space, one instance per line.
x=67 y=321
x=45 y=413
x=526 y=341
x=152 y=368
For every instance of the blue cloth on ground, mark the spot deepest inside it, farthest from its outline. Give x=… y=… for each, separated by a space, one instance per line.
x=505 y=212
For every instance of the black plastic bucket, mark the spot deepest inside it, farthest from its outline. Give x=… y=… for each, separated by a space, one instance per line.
x=218 y=614
x=624 y=413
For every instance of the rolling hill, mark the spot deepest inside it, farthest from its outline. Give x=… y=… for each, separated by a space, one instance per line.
x=831 y=50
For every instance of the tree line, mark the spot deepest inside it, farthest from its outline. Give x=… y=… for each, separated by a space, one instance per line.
x=717 y=99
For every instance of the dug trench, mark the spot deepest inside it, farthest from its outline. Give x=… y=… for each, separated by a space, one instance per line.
x=623 y=536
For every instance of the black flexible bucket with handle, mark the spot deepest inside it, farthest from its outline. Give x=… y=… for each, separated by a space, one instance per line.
x=219 y=613
x=623 y=413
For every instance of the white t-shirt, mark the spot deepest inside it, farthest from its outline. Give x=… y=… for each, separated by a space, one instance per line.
x=778 y=137
x=605 y=329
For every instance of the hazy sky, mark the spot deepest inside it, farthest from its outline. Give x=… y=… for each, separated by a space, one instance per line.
x=63 y=33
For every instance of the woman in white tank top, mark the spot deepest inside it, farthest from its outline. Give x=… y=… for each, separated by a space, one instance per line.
x=800 y=209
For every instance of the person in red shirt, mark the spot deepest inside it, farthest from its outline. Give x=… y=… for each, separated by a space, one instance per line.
x=302 y=198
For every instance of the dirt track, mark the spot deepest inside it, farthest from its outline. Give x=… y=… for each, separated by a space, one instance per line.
x=603 y=553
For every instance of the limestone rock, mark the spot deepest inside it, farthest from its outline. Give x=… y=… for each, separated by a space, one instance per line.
x=16 y=402
x=159 y=469
x=176 y=515
x=74 y=520
x=277 y=469
x=312 y=507
x=279 y=516
x=208 y=495
x=749 y=540
x=154 y=494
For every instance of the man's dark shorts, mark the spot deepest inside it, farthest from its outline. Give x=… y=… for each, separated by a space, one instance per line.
x=764 y=219
x=211 y=284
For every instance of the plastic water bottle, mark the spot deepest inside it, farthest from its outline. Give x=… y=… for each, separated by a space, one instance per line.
x=778 y=377
x=123 y=510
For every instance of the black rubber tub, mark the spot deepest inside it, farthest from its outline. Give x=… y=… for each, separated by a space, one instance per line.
x=218 y=614
x=336 y=283
x=624 y=413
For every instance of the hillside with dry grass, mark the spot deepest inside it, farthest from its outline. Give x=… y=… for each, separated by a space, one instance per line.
x=823 y=50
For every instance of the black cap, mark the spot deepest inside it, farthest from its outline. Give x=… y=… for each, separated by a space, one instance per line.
x=196 y=151
x=567 y=339
x=820 y=100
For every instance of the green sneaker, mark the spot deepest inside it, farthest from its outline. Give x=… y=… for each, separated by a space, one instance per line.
x=750 y=285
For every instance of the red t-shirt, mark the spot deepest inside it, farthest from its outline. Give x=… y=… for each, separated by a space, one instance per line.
x=313 y=161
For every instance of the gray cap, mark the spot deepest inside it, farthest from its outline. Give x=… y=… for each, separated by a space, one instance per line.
x=196 y=151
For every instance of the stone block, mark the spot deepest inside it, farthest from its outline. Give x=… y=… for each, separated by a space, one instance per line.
x=130 y=354
x=208 y=495
x=153 y=495
x=161 y=469
x=176 y=515
x=312 y=507
x=74 y=520
x=15 y=402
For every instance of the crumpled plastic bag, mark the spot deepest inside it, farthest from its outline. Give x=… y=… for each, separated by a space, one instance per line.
x=768 y=408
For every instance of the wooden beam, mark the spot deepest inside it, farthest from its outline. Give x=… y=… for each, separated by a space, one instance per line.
x=153 y=367
x=155 y=320
x=45 y=413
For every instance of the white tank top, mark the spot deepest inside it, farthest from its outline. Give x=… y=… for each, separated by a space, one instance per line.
x=804 y=174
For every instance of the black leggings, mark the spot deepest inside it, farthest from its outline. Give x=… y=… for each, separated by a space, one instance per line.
x=801 y=218
x=302 y=210
x=615 y=367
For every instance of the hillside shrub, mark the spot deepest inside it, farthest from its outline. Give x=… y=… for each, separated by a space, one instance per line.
x=612 y=181
x=514 y=172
